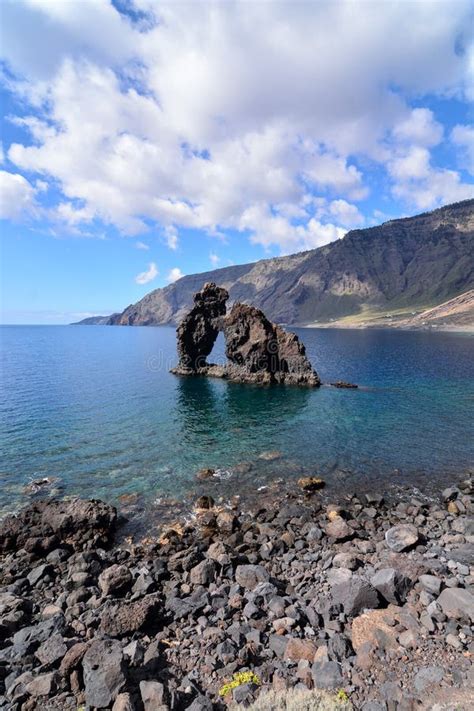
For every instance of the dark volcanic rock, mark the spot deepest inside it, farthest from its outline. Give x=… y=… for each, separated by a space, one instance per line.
x=197 y=332
x=115 y=579
x=164 y=622
x=401 y=537
x=103 y=670
x=258 y=350
x=249 y=576
x=391 y=584
x=79 y=523
x=356 y=594
x=130 y=617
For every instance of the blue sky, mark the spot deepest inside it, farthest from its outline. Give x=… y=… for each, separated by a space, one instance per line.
x=144 y=140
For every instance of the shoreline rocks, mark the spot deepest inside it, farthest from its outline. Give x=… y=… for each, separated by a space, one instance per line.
x=358 y=595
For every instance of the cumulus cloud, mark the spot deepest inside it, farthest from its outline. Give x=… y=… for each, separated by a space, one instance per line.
x=174 y=275
x=415 y=180
x=142 y=245
x=345 y=213
x=419 y=127
x=437 y=187
x=148 y=275
x=17 y=196
x=193 y=117
x=214 y=259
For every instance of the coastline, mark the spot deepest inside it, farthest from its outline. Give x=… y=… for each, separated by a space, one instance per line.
x=303 y=586
x=469 y=329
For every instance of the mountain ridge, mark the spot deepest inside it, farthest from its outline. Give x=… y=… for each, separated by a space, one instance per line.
x=411 y=263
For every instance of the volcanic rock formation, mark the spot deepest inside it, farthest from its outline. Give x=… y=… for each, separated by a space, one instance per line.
x=258 y=351
x=198 y=331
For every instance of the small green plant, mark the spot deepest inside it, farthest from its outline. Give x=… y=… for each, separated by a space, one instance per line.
x=239 y=678
x=342 y=696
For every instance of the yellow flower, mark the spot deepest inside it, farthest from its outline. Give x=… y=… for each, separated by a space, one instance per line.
x=239 y=678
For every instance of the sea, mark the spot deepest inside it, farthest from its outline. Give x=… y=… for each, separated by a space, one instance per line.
x=94 y=411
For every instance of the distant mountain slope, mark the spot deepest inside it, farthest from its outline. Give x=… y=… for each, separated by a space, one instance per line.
x=415 y=262
x=95 y=320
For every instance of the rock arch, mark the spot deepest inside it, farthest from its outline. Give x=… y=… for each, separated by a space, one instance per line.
x=258 y=351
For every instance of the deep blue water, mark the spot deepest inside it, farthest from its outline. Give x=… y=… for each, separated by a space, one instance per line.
x=97 y=408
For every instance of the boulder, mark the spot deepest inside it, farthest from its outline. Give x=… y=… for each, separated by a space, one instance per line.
x=457 y=603
x=38 y=573
x=115 y=579
x=326 y=675
x=103 y=671
x=43 y=685
x=297 y=649
x=373 y=627
x=311 y=483
x=355 y=595
x=203 y=573
x=430 y=583
x=130 y=617
x=338 y=529
x=41 y=526
x=152 y=693
x=400 y=537
x=28 y=639
x=52 y=650
x=249 y=576
x=123 y=702
x=391 y=584
x=73 y=657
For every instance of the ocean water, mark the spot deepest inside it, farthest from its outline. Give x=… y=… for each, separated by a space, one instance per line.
x=96 y=410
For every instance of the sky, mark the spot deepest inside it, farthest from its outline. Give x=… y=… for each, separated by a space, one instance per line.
x=144 y=140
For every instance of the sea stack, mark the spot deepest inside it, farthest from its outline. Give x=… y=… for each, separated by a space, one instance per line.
x=257 y=350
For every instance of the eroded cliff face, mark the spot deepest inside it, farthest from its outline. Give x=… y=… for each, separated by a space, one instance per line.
x=412 y=263
x=258 y=351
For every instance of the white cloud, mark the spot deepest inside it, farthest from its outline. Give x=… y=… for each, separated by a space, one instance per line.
x=174 y=275
x=17 y=196
x=415 y=180
x=463 y=137
x=411 y=164
x=214 y=259
x=345 y=213
x=148 y=275
x=171 y=235
x=419 y=127
x=270 y=229
x=142 y=245
x=197 y=118
x=438 y=187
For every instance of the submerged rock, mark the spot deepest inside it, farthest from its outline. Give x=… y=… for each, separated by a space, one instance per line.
x=343 y=384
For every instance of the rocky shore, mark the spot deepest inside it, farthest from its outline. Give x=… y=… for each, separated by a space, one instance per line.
x=370 y=602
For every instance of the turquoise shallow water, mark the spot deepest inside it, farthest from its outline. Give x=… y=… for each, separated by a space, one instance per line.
x=97 y=408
